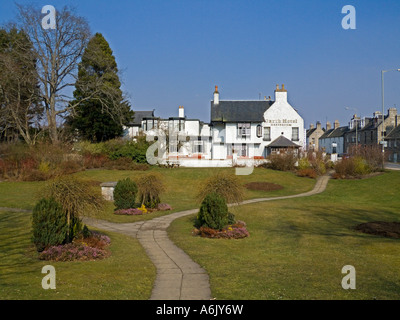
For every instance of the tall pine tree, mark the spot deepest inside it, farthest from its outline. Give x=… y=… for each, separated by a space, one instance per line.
x=102 y=116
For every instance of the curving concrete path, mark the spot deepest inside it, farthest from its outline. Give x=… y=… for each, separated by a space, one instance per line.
x=178 y=276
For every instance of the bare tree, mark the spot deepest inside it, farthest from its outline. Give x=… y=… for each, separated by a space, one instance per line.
x=57 y=53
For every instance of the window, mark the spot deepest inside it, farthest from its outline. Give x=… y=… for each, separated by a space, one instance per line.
x=244 y=129
x=150 y=124
x=259 y=131
x=267 y=134
x=198 y=146
x=240 y=150
x=295 y=134
x=181 y=125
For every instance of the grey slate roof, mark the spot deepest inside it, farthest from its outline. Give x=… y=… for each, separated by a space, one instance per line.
x=239 y=111
x=394 y=134
x=310 y=132
x=335 y=133
x=282 y=142
x=139 y=116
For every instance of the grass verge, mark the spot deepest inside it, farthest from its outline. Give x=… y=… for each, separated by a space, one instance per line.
x=126 y=274
x=297 y=248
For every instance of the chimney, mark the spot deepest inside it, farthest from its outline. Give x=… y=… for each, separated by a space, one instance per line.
x=377 y=114
x=319 y=125
x=280 y=94
x=392 y=112
x=336 y=124
x=311 y=126
x=216 y=96
x=181 y=112
x=328 y=126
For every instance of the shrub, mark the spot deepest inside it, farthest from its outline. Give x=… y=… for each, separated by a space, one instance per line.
x=134 y=150
x=303 y=163
x=85 y=232
x=309 y=172
x=151 y=187
x=91 y=161
x=69 y=167
x=49 y=224
x=371 y=154
x=226 y=185
x=76 y=196
x=282 y=162
x=125 y=194
x=213 y=212
x=351 y=167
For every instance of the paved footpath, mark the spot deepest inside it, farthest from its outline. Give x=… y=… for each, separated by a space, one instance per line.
x=178 y=276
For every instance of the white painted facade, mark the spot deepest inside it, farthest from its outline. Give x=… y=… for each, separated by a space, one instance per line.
x=226 y=143
x=280 y=119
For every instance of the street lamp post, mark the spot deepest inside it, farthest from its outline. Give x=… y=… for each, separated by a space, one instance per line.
x=383 y=114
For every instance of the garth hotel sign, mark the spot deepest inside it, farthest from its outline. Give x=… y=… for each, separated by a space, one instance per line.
x=281 y=122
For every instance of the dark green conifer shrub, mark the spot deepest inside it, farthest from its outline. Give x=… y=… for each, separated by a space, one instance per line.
x=214 y=212
x=125 y=194
x=49 y=224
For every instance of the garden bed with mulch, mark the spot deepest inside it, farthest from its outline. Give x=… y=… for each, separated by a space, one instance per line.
x=263 y=186
x=380 y=228
x=93 y=247
x=237 y=230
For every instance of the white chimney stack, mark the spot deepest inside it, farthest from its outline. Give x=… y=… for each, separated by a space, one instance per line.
x=280 y=94
x=216 y=96
x=181 y=112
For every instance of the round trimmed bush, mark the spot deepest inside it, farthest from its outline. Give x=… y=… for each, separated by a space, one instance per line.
x=49 y=224
x=125 y=194
x=214 y=212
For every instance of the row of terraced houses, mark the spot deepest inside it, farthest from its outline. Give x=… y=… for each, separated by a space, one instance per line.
x=365 y=131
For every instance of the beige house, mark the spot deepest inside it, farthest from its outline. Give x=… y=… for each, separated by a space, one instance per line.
x=313 y=134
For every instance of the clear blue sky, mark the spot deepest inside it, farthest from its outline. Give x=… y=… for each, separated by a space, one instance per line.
x=173 y=52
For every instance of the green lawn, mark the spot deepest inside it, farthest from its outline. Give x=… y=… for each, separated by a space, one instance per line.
x=297 y=248
x=126 y=274
x=181 y=183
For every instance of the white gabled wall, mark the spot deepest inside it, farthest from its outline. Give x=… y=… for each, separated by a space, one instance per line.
x=281 y=117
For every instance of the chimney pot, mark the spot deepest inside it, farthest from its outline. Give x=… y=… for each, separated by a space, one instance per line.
x=328 y=125
x=336 y=124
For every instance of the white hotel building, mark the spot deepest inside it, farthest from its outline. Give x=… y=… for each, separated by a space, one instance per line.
x=239 y=132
